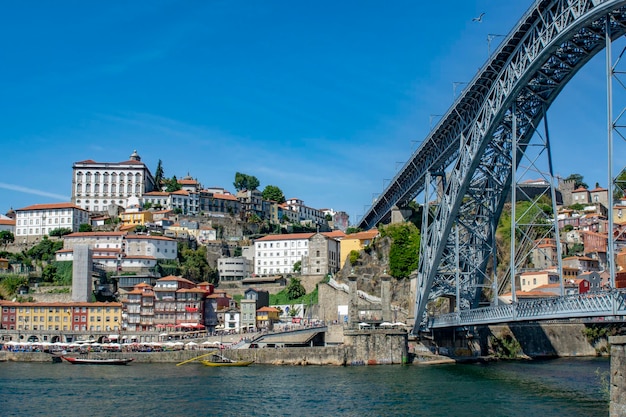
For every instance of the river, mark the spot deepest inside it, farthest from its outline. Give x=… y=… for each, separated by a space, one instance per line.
x=559 y=387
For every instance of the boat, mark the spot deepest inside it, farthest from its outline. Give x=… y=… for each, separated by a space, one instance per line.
x=97 y=361
x=220 y=360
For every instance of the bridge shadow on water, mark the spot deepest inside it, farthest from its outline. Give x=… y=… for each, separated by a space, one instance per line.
x=532 y=338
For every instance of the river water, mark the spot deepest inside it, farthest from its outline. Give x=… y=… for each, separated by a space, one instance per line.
x=560 y=387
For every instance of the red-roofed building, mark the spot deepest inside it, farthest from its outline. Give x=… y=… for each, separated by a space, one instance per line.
x=7 y=224
x=96 y=185
x=277 y=254
x=40 y=219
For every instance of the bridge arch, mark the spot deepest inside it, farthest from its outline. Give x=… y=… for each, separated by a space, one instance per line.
x=479 y=141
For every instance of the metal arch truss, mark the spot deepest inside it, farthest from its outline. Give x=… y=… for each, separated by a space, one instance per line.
x=502 y=105
x=500 y=114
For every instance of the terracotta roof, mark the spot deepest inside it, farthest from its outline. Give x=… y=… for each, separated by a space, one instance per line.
x=149 y=237
x=157 y=193
x=196 y=290
x=292 y=236
x=225 y=197
x=7 y=222
x=181 y=192
x=269 y=309
x=368 y=234
x=174 y=278
x=51 y=206
x=60 y=304
x=580 y=190
x=94 y=234
x=188 y=182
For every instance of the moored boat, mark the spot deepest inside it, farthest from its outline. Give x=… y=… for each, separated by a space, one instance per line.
x=97 y=361
x=219 y=360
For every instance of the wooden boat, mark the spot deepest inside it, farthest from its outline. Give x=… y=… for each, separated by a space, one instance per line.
x=219 y=360
x=97 y=361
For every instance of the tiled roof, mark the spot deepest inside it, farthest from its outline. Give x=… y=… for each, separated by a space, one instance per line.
x=94 y=234
x=51 y=206
x=7 y=222
x=149 y=237
x=225 y=197
x=174 y=278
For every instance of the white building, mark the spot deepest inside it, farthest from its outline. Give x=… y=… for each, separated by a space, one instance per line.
x=39 y=219
x=306 y=214
x=187 y=202
x=234 y=268
x=276 y=254
x=96 y=185
x=119 y=250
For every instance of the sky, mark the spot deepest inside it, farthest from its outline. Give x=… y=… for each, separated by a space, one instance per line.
x=324 y=99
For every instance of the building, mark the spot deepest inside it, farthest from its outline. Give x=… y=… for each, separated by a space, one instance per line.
x=40 y=219
x=582 y=263
x=219 y=203
x=96 y=185
x=277 y=254
x=57 y=316
x=306 y=214
x=234 y=268
x=8 y=225
x=323 y=257
x=266 y=317
x=355 y=241
x=116 y=251
x=531 y=280
x=581 y=196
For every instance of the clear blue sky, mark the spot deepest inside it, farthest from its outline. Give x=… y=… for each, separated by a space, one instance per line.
x=323 y=99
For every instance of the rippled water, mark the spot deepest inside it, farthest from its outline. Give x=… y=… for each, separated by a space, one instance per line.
x=562 y=387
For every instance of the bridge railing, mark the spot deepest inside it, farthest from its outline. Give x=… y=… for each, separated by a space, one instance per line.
x=608 y=303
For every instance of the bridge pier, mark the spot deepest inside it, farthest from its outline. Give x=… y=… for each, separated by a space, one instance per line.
x=617 y=405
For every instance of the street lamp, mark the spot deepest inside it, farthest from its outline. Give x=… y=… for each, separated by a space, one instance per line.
x=491 y=37
x=455 y=84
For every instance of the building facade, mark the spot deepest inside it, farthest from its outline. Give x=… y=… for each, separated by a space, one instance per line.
x=40 y=219
x=96 y=185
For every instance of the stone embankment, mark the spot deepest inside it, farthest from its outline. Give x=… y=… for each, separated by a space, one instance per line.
x=335 y=355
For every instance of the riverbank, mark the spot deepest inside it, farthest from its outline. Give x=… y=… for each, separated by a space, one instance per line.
x=327 y=356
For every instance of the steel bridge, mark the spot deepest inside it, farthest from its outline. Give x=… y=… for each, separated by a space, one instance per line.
x=467 y=166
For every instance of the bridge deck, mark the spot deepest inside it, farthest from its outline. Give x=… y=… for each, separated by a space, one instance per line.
x=600 y=304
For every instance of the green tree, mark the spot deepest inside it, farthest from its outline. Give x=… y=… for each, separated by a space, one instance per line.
x=273 y=193
x=85 y=227
x=44 y=250
x=578 y=180
x=619 y=191
x=297 y=266
x=6 y=237
x=245 y=182
x=49 y=273
x=172 y=184
x=194 y=264
x=404 y=251
x=60 y=231
x=295 y=289
x=158 y=175
x=350 y=230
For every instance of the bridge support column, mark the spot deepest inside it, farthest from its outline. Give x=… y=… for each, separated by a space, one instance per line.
x=618 y=376
x=385 y=297
x=353 y=313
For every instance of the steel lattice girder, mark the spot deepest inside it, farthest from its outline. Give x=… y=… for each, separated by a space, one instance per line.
x=550 y=44
x=583 y=305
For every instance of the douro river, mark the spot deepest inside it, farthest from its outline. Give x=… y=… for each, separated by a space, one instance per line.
x=561 y=387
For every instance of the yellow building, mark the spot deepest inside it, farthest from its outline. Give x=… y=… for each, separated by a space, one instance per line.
x=355 y=241
x=98 y=316
x=265 y=316
x=135 y=218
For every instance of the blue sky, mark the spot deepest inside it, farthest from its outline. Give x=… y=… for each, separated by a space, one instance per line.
x=323 y=99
